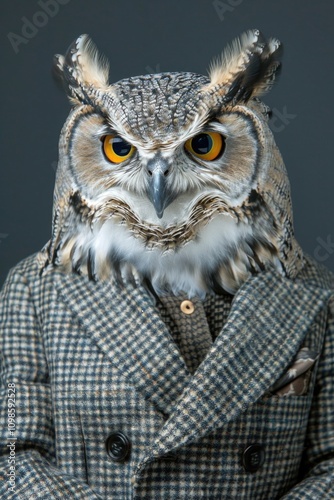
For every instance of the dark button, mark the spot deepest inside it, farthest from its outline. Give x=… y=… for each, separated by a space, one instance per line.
x=118 y=446
x=253 y=457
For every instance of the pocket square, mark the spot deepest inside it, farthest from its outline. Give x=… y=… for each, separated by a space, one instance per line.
x=295 y=381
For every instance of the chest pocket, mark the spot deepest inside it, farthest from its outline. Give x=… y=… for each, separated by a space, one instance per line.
x=295 y=381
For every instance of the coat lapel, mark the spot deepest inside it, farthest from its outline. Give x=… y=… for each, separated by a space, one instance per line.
x=126 y=326
x=269 y=319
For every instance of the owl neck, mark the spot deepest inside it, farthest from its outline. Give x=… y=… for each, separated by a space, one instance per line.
x=220 y=258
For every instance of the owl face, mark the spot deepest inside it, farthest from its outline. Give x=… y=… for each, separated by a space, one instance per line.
x=174 y=178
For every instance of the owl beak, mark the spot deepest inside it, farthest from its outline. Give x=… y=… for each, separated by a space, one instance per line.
x=158 y=192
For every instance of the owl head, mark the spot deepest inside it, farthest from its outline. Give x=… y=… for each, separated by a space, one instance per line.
x=172 y=179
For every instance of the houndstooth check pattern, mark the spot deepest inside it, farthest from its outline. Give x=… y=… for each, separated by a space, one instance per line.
x=89 y=359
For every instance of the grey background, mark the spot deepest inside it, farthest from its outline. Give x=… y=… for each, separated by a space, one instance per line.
x=148 y=36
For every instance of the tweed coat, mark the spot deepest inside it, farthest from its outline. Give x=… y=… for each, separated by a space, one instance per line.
x=92 y=359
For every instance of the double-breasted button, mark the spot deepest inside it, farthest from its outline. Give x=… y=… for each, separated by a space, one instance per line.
x=118 y=446
x=253 y=457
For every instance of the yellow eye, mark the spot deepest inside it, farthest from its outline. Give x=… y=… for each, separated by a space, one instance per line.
x=117 y=149
x=207 y=146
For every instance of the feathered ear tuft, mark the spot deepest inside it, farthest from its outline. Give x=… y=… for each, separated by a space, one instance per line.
x=81 y=68
x=247 y=68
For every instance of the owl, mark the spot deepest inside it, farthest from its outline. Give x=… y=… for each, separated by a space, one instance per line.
x=172 y=180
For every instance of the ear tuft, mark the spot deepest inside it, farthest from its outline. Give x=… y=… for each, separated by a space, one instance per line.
x=247 y=68
x=91 y=68
x=81 y=68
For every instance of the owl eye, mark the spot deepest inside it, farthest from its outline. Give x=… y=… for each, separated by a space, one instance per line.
x=207 y=146
x=117 y=149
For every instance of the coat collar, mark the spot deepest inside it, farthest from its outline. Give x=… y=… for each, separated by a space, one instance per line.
x=268 y=321
x=126 y=326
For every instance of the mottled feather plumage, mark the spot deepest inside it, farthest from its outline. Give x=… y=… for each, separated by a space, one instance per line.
x=223 y=220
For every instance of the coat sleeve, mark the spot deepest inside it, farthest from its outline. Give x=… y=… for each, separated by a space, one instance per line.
x=318 y=467
x=27 y=460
